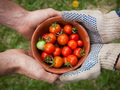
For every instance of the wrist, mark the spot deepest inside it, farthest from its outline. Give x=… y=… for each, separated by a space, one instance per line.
x=19 y=21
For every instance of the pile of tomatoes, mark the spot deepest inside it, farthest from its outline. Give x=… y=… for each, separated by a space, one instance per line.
x=61 y=46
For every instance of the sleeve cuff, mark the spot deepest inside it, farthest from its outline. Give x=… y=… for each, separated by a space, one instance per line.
x=118 y=12
x=108 y=56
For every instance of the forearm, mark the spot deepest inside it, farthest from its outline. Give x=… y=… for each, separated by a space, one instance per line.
x=11 y=14
x=7 y=64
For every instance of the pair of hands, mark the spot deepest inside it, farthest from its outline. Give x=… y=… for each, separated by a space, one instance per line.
x=95 y=24
x=21 y=61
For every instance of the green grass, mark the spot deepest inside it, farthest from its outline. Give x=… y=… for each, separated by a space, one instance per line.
x=10 y=39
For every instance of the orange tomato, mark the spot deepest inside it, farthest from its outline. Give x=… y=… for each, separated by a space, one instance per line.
x=63 y=39
x=58 y=61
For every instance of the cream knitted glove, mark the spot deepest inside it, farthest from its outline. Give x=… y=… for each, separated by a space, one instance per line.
x=101 y=29
x=101 y=56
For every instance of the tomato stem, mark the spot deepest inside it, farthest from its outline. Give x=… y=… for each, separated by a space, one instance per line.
x=74 y=30
x=47 y=39
x=68 y=64
x=54 y=25
x=53 y=63
x=48 y=59
x=82 y=52
x=61 y=32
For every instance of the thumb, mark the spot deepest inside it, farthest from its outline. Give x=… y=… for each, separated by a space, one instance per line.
x=51 y=12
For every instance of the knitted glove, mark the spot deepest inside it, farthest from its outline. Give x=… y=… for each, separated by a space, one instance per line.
x=101 y=29
x=101 y=56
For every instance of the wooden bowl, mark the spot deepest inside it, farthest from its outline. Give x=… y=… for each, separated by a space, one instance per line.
x=43 y=28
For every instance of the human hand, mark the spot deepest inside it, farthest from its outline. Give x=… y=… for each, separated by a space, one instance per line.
x=21 y=61
x=101 y=55
x=27 y=24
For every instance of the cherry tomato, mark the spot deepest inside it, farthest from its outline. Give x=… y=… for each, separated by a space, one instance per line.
x=79 y=52
x=57 y=51
x=66 y=51
x=44 y=36
x=74 y=37
x=40 y=44
x=72 y=59
x=51 y=38
x=63 y=39
x=58 y=61
x=72 y=44
x=67 y=29
x=49 y=48
x=65 y=60
x=80 y=43
x=44 y=55
x=55 y=28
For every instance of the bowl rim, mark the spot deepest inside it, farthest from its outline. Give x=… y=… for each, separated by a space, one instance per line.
x=70 y=69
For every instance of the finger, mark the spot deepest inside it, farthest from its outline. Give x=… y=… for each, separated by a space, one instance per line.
x=32 y=69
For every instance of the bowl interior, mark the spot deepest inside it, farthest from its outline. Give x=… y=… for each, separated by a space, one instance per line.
x=43 y=28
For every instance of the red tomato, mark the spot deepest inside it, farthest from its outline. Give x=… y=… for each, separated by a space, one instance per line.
x=72 y=44
x=50 y=37
x=80 y=43
x=49 y=48
x=79 y=52
x=66 y=51
x=44 y=55
x=72 y=59
x=58 y=61
x=55 y=28
x=57 y=51
x=74 y=37
x=63 y=39
x=67 y=29
x=44 y=36
x=65 y=60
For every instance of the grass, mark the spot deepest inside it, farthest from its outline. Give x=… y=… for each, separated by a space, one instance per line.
x=10 y=39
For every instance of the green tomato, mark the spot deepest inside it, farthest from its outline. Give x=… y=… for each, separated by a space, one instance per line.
x=40 y=44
